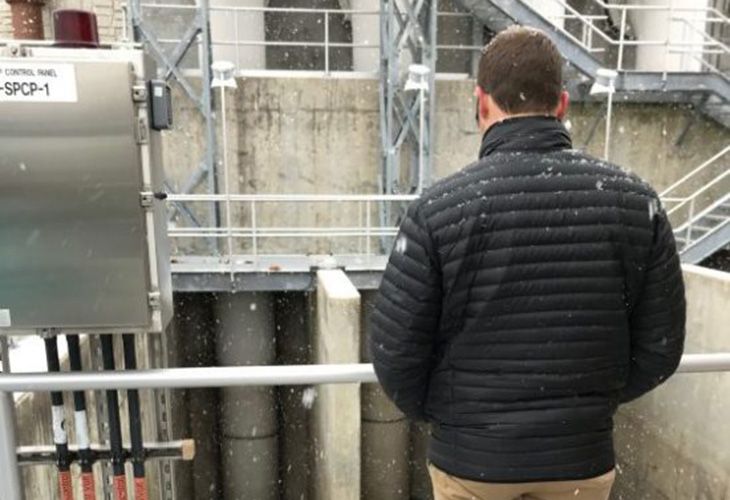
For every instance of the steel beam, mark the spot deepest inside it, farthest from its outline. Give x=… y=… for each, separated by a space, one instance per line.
x=199 y=30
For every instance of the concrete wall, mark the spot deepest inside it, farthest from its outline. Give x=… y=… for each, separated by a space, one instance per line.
x=336 y=419
x=673 y=443
x=314 y=135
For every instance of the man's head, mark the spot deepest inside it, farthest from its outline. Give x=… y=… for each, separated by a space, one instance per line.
x=520 y=73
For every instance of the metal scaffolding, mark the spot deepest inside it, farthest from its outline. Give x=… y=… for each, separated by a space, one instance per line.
x=407 y=35
x=197 y=33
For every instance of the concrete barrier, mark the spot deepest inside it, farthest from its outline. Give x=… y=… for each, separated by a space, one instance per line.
x=336 y=422
x=673 y=443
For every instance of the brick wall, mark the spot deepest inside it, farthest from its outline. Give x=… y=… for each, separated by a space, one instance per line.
x=109 y=16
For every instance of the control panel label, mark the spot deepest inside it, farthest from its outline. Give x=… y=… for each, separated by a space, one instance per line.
x=5 y=318
x=37 y=82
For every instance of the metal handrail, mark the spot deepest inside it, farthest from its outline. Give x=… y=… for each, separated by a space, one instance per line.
x=181 y=378
x=696 y=194
x=294 y=197
x=363 y=230
x=239 y=376
x=694 y=172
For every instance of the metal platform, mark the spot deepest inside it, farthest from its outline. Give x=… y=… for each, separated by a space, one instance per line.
x=271 y=272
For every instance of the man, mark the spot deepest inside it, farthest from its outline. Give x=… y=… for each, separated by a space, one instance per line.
x=527 y=296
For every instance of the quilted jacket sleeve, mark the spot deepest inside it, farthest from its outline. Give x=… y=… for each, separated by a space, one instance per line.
x=406 y=317
x=658 y=320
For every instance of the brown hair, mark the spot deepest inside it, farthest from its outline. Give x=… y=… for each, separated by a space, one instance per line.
x=522 y=70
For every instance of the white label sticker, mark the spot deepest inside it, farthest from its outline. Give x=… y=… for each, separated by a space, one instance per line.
x=58 y=415
x=82 y=429
x=5 y=318
x=37 y=82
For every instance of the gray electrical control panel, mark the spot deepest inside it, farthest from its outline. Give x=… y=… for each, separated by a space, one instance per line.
x=83 y=243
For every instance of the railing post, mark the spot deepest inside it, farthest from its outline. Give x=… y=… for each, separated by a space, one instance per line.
x=327 y=42
x=238 y=40
x=9 y=472
x=360 y=206
x=690 y=222
x=368 y=224
x=622 y=33
x=254 y=241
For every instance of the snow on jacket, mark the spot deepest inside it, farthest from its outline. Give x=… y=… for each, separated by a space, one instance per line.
x=526 y=297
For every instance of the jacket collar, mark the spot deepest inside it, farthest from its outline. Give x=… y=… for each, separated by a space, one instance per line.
x=526 y=133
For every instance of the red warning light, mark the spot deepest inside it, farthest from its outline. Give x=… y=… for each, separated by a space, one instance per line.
x=75 y=28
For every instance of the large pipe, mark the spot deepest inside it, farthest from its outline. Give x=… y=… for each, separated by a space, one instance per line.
x=81 y=423
x=385 y=432
x=248 y=414
x=196 y=336
x=245 y=376
x=27 y=19
x=58 y=415
x=135 y=422
x=293 y=320
x=115 y=425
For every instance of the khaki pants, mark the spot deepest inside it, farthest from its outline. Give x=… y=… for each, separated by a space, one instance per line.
x=448 y=487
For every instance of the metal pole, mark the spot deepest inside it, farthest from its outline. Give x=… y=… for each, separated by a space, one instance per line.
x=207 y=100
x=226 y=184
x=242 y=376
x=622 y=33
x=238 y=43
x=9 y=474
x=421 y=140
x=609 y=113
x=327 y=43
x=690 y=222
x=254 y=231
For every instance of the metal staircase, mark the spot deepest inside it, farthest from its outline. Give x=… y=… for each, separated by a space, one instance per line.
x=708 y=90
x=703 y=235
x=699 y=203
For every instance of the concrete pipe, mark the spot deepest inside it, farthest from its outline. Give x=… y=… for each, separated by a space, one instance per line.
x=249 y=468
x=293 y=327
x=420 y=480
x=385 y=433
x=245 y=336
x=195 y=336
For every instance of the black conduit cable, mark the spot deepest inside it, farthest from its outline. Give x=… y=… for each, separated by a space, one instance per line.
x=58 y=414
x=135 y=422
x=86 y=456
x=115 y=426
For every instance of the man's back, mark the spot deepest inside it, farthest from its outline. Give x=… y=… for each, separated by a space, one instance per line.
x=527 y=296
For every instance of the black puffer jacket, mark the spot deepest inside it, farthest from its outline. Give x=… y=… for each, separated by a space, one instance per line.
x=526 y=297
